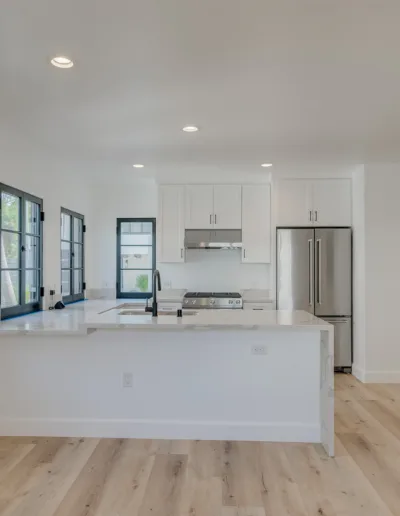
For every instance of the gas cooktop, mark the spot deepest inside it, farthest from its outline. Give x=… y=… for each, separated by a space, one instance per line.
x=214 y=300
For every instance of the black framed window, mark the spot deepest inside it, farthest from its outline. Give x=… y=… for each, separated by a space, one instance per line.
x=136 y=257
x=21 y=252
x=72 y=256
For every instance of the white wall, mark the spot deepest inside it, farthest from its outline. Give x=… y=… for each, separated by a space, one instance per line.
x=58 y=186
x=378 y=360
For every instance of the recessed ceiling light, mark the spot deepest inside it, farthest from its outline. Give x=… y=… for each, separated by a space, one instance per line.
x=266 y=165
x=138 y=165
x=62 y=62
x=190 y=129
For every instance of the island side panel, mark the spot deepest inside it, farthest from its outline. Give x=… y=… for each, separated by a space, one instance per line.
x=327 y=386
x=192 y=384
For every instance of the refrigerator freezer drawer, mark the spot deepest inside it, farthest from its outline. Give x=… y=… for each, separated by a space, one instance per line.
x=343 y=340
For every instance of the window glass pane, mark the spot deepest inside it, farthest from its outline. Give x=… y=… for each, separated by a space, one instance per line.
x=78 y=230
x=32 y=286
x=65 y=255
x=78 y=282
x=136 y=281
x=32 y=217
x=66 y=283
x=32 y=247
x=134 y=257
x=9 y=288
x=65 y=226
x=10 y=250
x=78 y=256
x=10 y=211
x=136 y=233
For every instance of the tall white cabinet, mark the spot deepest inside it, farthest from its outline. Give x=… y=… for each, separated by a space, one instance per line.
x=256 y=223
x=314 y=202
x=171 y=224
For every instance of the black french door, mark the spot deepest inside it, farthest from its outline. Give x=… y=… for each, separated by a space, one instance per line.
x=21 y=252
x=72 y=256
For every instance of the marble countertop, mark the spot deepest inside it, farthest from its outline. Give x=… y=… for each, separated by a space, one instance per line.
x=78 y=319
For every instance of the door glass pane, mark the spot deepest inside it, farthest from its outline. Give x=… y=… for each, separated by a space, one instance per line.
x=10 y=208
x=65 y=255
x=78 y=256
x=65 y=226
x=32 y=217
x=136 y=233
x=10 y=250
x=78 y=282
x=32 y=252
x=32 y=286
x=78 y=230
x=134 y=257
x=66 y=282
x=9 y=288
x=136 y=281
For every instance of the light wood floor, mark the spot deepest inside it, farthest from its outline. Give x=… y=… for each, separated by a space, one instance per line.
x=114 y=477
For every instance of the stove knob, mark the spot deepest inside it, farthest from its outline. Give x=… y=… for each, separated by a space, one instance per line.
x=193 y=302
x=231 y=302
x=186 y=301
x=212 y=301
x=238 y=301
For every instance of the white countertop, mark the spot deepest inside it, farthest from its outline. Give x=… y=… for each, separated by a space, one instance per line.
x=78 y=318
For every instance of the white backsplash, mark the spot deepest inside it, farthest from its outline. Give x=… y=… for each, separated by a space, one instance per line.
x=215 y=270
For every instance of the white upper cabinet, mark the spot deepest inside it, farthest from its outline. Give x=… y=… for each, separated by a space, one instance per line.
x=171 y=224
x=227 y=207
x=332 y=202
x=294 y=202
x=318 y=202
x=217 y=207
x=199 y=206
x=256 y=224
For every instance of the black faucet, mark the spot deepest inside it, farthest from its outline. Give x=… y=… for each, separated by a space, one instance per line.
x=156 y=280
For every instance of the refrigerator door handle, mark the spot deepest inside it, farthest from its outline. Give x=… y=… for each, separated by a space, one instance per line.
x=310 y=273
x=319 y=254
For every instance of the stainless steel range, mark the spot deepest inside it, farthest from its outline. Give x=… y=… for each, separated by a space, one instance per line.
x=213 y=300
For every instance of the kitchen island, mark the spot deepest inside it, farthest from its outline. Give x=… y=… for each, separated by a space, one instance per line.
x=215 y=375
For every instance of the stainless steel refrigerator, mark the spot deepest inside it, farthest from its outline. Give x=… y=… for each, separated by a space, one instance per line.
x=314 y=273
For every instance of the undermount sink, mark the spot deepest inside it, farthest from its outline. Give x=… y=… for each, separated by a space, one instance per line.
x=149 y=314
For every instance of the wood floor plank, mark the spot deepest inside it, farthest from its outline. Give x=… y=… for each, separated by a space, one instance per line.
x=387 y=413
x=84 y=496
x=127 y=481
x=28 y=472
x=63 y=470
x=164 y=488
x=11 y=455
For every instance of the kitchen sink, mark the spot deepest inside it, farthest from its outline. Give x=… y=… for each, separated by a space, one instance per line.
x=160 y=312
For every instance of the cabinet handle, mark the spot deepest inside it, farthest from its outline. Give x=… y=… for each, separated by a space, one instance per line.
x=181 y=253
x=210 y=219
x=316 y=216
x=244 y=253
x=310 y=213
x=215 y=219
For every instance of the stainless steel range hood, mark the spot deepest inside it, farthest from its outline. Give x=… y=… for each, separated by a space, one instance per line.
x=215 y=239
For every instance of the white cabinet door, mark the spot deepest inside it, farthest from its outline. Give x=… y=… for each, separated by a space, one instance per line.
x=199 y=207
x=294 y=202
x=171 y=224
x=332 y=202
x=227 y=206
x=256 y=224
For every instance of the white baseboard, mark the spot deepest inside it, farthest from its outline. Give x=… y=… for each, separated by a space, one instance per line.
x=161 y=429
x=376 y=376
x=382 y=377
x=358 y=373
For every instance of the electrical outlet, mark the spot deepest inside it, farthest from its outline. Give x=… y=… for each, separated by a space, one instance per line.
x=259 y=350
x=127 y=380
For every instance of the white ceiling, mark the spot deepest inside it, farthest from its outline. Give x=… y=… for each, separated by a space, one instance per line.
x=265 y=80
